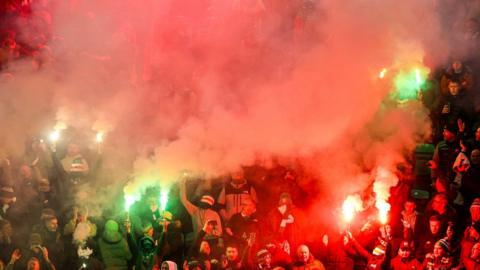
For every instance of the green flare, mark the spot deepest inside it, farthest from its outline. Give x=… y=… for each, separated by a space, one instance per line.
x=129 y=200
x=164 y=199
x=409 y=83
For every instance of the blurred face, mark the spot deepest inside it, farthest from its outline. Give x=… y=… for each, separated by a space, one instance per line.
x=475 y=252
x=238 y=177
x=404 y=252
x=439 y=204
x=51 y=224
x=7 y=230
x=73 y=149
x=303 y=253
x=248 y=207
x=409 y=207
x=448 y=135
x=477 y=134
x=205 y=248
x=438 y=251
x=475 y=213
x=267 y=261
x=434 y=226
x=475 y=156
x=453 y=88
x=457 y=66
x=232 y=253
x=33 y=264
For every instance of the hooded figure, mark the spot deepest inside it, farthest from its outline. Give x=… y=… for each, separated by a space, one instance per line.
x=114 y=248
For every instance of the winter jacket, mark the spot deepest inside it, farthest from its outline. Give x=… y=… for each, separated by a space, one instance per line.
x=233 y=195
x=115 y=253
x=311 y=264
x=398 y=264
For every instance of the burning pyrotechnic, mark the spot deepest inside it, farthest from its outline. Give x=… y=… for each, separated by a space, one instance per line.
x=54 y=136
x=382 y=73
x=350 y=207
x=163 y=199
x=408 y=82
x=99 y=137
x=384 y=180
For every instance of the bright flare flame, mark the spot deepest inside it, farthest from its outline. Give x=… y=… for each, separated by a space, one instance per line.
x=129 y=201
x=382 y=73
x=99 y=137
x=163 y=199
x=351 y=205
x=54 y=136
x=384 y=180
x=418 y=77
x=383 y=209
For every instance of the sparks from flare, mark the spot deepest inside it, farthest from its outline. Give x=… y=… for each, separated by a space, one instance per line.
x=350 y=207
x=99 y=137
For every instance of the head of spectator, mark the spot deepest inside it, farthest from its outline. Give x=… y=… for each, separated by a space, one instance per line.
x=475 y=157
x=33 y=264
x=147 y=229
x=248 y=207
x=205 y=248
x=6 y=231
x=194 y=265
x=111 y=233
x=405 y=251
x=35 y=243
x=206 y=202
x=457 y=66
x=285 y=202
x=263 y=259
x=168 y=265
x=73 y=149
x=434 y=225
x=475 y=210
x=475 y=253
x=303 y=254
x=232 y=252
x=454 y=87
x=441 y=248
x=44 y=185
x=26 y=172
x=409 y=206
x=7 y=196
x=238 y=177
x=439 y=203
x=51 y=223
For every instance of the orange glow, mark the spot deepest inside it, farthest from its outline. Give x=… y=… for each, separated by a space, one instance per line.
x=351 y=205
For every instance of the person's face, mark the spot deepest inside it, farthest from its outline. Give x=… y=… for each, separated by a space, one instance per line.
x=475 y=252
x=51 y=224
x=248 y=207
x=7 y=230
x=477 y=134
x=303 y=253
x=439 y=204
x=434 y=226
x=409 y=207
x=232 y=253
x=453 y=88
x=438 y=251
x=267 y=260
x=457 y=66
x=4 y=200
x=33 y=265
x=404 y=252
x=164 y=266
x=448 y=135
x=205 y=248
x=238 y=177
x=73 y=149
x=475 y=213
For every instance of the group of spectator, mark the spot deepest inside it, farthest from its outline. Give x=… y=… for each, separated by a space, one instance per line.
x=238 y=221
